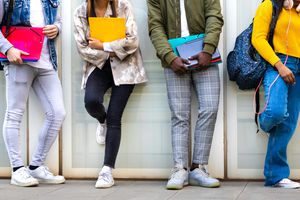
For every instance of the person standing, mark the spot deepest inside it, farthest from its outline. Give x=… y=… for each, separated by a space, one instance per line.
x=117 y=65
x=173 y=19
x=42 y=77
x=281 y=83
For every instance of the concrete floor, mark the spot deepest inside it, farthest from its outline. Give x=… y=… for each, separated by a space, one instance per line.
x=145 y=190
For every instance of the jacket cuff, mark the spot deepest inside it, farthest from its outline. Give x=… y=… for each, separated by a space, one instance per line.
x=274 y=60
x=107 y=47
x=208 y=48
x=169 y=58
x=6 y=47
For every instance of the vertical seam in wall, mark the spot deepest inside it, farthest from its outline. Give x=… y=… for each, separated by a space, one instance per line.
x=27 y=134
x=190 y=137
x=225 y=93
x=59 y=58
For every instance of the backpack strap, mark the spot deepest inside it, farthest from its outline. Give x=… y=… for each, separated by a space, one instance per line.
x=257 y=105
x=10 y=12
x=275 y=15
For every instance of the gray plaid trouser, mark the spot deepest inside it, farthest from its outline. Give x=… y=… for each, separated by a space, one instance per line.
x=206 y=83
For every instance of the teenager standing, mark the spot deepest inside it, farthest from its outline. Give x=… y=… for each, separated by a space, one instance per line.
x=42 y=77
x=180 y=18
x=281 y=84
x=116 y=65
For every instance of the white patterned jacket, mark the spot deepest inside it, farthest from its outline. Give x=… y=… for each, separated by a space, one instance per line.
x=127 y=66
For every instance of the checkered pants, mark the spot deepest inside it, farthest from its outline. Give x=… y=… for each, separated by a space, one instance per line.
x=206 y=83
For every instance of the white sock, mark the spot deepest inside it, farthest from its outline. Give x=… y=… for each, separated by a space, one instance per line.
x=106 y=169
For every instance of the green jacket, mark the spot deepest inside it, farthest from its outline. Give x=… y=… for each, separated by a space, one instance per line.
x=203 y=16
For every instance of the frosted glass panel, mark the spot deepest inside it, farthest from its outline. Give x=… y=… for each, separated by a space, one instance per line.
x=145 y=139
x=246 y=12
x=4 y=162
x=251 y=146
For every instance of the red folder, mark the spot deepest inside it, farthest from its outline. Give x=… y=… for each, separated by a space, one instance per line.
x=28 y=39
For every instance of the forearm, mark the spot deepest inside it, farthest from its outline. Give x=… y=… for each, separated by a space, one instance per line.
x=130 y=44
x=261 y=24
x=213 y=28
x=94 y=56
x=58 y=23
x=157 y=33
x=162 y=46
x=5 y=45
x=264 y=49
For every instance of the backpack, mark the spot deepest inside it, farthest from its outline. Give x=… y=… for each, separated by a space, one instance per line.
x=244 y=65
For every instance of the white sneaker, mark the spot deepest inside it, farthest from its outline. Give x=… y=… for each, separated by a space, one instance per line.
x=105 y=180
x=201 y=177
x=43 y=175
x=178 y=179
x=101 y=133
x=287 y=183
x=22 y=177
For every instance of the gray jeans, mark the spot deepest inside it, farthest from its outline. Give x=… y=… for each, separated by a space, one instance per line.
x=206 y=84
x=46 y=85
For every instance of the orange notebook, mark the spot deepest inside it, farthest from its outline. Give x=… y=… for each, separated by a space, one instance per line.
x=107 y=29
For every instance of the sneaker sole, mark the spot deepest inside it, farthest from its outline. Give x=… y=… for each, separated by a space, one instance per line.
x=104 y=186
x=175 y=187
x=99 y=141
x=51 y=181
x=195 y=183
x=32 y=184
x=286 y=187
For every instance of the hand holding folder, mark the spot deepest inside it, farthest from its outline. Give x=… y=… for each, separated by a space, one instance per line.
x=194 y=47
x=174 y=42
x=27 y=39
x=107 y=29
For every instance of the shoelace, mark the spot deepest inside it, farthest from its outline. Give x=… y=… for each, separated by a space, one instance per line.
x=286 y=181
x=203 y=170
x=176 y=173
x=24 y=173
x=106 y=177
x=101 y=129
x=46 y=170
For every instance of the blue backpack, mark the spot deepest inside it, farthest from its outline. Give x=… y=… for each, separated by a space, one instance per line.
x=244 y=65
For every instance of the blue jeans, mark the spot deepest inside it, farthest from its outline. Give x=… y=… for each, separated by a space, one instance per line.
x=280 y=119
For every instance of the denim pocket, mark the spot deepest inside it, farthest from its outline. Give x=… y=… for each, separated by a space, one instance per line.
x=20 y=74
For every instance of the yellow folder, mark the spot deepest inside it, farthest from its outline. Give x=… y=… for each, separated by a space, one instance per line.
x=107 y=29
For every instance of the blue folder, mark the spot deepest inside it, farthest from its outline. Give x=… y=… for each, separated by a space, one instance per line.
x=179 y=41
x=192 y=48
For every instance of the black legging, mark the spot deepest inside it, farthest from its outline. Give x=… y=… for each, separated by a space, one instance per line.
x=99 y=81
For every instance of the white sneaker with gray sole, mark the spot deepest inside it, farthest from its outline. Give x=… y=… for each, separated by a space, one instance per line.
x=201 y=177
x=287 y=183
x=22 y=178
x=101 y=133
x=105 y=180
x=43 y=175
x=178 y=179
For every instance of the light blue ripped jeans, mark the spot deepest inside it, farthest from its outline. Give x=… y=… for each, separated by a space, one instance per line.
x=280 y=119
x=46 y=85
